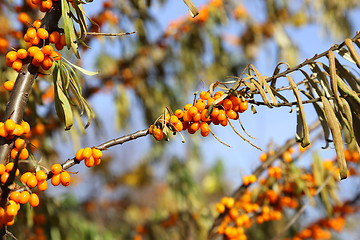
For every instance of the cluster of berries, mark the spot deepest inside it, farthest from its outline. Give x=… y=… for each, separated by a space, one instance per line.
x=195 y=116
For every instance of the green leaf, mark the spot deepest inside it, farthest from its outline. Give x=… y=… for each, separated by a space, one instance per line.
x=62 y=105
x=337 y=137
x=69 y=29
x=86 y=72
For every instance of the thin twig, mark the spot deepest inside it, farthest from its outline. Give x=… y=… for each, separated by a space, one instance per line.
x=109 y=34
x=242 y=136
x=219 y=139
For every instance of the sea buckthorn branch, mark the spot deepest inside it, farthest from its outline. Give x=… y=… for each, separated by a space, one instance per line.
x=212 y=233
x=333 y=48
x=302 y=209
x=23 y=85
x=110 y=34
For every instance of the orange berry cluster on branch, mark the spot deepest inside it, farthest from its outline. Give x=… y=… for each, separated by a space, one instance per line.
x=36 y=36
x=195 y=116
x=92 y=156
x=9 y=129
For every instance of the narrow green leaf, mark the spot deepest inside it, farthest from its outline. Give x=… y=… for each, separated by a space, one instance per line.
x=302 y=127
x=69 y=29
x=337 y=137
x=62 y=105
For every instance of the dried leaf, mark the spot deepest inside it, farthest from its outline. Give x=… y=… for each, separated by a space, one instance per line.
x=353 y=51
x=337 y=137
x=192 y=9
x=261 y=91
x=69 y=29
x=302 y=127
x=333 y=79
x=267 y=87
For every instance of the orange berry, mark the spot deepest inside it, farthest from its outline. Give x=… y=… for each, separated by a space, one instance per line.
x=200 y=105
x=243 y=106
x=193 y=111
x=56 y=56
x=41 y=175
x=210 y=101
x=54 y=37
x=59 y=46
x=31 y=33
x=215 y=112
x=79 y=154
x=65 y=178
x=42 y=33
x=179 y=126
x=20 y=143
x=252 y=178
x=197 y=117
x=187 y=106
x=25 y=177
x=9 y=166
x=35 y=40
x=89 y=162
x=34 y=200
x=17 y=65
x=96 y=153
x=2 y=169
x=38 y=57
x=4 y=177
x=24 y=197
x=235 y=100
x=151 y=128
x=227 y=104
x=24 y=18
x=46 y=5
x=220 y=207
x=21 y=53
x=158 y=134
x=11 y=56
x=32 y=181
x=222 y=115
x=15 y=196
x=25 y=126
x=26 y=38
x=47 y=49
x=37 y=23
x=56 y=169
x=287 y=156
x=233 y=213
x=32 y=50
x=42 y=186
x=195 y=126
x=204 y=127
x=232 y=114
x=263 y=157
x=203 y=116
x=9 y=125
x=9 y=85
x=87 y=152
x=204 y=95
x=174 y=119
x=47 y=62
x=187 y=117
x=11 y=210
x=36 y=2
x=246 y=180
x=97 y=161
x=55 y=180
x=24 y=154
x=179 y=113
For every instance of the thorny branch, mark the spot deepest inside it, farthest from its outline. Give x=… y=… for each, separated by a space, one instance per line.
x=212 y=232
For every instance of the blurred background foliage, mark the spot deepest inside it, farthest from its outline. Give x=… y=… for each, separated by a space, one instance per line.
x=164 y=195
